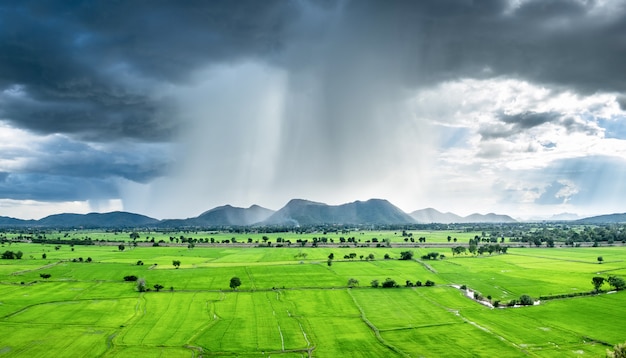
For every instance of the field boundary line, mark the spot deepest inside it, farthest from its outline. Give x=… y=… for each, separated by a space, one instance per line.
x=417 y=327
x=561 y=259
x=216 y=318
x=457 y=313
x=374 y=328
x=38 y=268
x=427 y=266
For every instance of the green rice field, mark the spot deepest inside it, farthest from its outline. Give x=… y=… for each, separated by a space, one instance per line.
x=293 y=303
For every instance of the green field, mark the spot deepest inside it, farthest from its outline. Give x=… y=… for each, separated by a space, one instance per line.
x=292 y=303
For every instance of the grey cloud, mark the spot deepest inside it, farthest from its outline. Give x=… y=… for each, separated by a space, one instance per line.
x=574 y=125
x=62 y=157
x=510 y=125
x=45 y=187
x=528 y=120
x=621 y=100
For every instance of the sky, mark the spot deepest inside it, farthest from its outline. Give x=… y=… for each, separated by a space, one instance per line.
x=170 y=108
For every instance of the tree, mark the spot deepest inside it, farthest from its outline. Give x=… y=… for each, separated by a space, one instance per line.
x=370 y=257
x=526 y=300
x=597 y=282
x=139 y=263
x=134 y=235
x=353 y=282
x=600 y=259
x=329 y=262
x=331 y=256
x=43 y=256
x=9 y=255
x=429 y=283
x=45 y=276
x=389 y=283
x=158 y=287
x=121 y=247
x=619 y=351
x=375 y=283
x=130 y=278
x=387 y=257
x=406 y=255
x=617 y=282
x=235 y=282
x=176 y=263
x=89 y=259
x=141 y=285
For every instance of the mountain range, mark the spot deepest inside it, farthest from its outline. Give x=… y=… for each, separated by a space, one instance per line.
x=297 y=212
x=430 y=215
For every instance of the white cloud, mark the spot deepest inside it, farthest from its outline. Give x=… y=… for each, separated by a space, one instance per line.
x=512 y=132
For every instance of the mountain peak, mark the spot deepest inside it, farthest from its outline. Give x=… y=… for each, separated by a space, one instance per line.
x=304 y=212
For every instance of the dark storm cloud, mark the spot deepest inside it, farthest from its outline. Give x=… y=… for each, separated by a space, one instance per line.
x=109 y=71
x=64 y=157
x=79 y=62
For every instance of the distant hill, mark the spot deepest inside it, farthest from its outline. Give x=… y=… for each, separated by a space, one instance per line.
x=97 y=220
x=488 y=218
x=604 y=219
x=7 y=221
x=304 y=212
x=226 y=215
x=430 y=215
x=564 y=217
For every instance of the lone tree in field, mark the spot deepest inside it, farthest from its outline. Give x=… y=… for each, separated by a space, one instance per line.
x=141 y=285
x=235 y=282
x=158 y=287
x=353 y=282
x=45 y=276
x=597 y=282
x=43 y=256
x=375 y=283
x=406 y=255
x=600 y=259
x=176 y=263
x=121 y=247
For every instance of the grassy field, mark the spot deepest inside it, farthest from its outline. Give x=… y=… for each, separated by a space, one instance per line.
x=292 y=303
